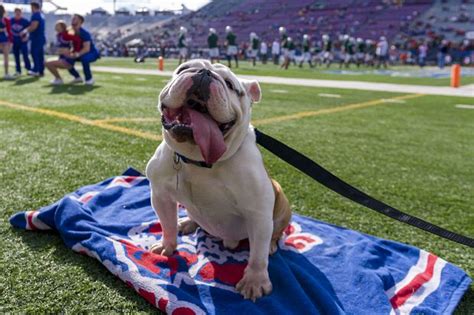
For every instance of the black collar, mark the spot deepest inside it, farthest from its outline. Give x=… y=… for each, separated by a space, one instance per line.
x=178 y=157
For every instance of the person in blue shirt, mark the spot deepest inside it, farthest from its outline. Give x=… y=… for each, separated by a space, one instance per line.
x=88 y=53
x=20 y=40
x=37 y=39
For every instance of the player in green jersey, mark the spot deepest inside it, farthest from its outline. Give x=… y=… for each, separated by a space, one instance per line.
x=231 y=43
x=212 y=42
x=307 y=57
x=254 y=45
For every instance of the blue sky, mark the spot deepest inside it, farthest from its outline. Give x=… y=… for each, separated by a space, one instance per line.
x=84 y=6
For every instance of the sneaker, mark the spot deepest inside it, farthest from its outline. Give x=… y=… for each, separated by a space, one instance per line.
x=76 y=80
x=33 y=74
x=89 y=82
x=17 y=74
x=8 y=77
x=57 y=82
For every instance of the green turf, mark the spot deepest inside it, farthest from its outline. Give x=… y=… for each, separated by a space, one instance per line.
x=416 y=156
x=295 y=72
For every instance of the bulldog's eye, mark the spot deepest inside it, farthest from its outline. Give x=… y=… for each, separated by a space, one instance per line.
x=182 y=69
x=229 y=85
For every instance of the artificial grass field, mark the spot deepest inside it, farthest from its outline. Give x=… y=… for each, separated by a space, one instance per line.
x=416 y=156
x=245 y=67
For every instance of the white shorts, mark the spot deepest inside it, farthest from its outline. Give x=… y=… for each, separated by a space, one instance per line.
x=253 y=53
x=214 y=52
x=285 y=52
x=291 y=54
x=306 y=56
x=327 y=55
x=348 y=57
x=360 y=56
x=232 y=50
x=183 y=52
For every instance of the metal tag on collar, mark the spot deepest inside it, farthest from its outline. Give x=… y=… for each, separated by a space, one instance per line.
x=177 y=167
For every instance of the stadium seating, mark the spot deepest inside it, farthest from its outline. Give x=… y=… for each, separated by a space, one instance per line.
x=361 y=18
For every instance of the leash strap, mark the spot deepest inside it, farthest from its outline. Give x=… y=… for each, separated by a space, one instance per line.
x=326 y=178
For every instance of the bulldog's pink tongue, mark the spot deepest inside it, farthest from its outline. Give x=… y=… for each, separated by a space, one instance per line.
x=207 y=135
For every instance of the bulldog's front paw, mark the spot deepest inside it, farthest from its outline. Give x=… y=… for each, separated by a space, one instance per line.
x=254 y=284
x=162 y=248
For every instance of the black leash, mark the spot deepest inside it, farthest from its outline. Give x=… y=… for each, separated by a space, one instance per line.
x=326 y=178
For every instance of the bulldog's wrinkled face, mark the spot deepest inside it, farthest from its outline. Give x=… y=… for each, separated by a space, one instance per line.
x=206 y=110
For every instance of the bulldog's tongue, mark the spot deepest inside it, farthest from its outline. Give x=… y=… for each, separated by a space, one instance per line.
x=207 y=135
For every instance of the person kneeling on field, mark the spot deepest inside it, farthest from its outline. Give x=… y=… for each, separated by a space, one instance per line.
x=88 y=53
x=64 y=42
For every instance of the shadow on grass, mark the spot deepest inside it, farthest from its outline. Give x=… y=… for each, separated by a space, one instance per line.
x=71 y=89
x=466 y=305
x=27 y=80
x=44 y=241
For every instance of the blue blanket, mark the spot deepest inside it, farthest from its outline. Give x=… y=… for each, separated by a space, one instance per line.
x=318 y=269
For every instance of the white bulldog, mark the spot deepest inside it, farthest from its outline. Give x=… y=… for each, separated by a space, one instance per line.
x=209 y=162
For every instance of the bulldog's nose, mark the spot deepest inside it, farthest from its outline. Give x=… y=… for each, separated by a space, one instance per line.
x=205 y=72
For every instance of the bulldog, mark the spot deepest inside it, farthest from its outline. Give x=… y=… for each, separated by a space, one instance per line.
x=209 y=162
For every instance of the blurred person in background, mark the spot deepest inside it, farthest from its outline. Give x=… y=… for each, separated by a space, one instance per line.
x=36 y=29
x=20 y=41
x=212 y=40
x=442 y=53
x=231 y=43
x=306 y=52
x=88 y=53
x=284 y=44
x=182 y=45
x=253 y=51
x=381 y=52
x=264 y=52
x=422 y=53
x=5 y=40
x=360 y=51
x=65 y=43
x=276 y=52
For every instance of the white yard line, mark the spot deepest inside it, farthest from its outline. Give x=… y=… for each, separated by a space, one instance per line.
x=279 y=91
x=464 y=106
x=329 y=95
x=351 y=85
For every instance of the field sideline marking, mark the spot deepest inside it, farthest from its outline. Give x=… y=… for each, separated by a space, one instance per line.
x=331 y=110
x=84 y=121
x=464 y=106
x=105 y=123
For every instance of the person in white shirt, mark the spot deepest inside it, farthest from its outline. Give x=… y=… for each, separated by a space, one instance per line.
x=276 y=52
x=264 y=52
x=381 y=52
x=422 y=52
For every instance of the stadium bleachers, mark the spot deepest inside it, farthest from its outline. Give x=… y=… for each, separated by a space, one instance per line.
x=360 y=18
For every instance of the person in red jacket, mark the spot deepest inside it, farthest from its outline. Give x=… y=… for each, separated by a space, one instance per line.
x=6 y=39
x=67 y=42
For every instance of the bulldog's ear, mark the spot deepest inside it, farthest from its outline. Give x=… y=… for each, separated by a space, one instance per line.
x=253 y=90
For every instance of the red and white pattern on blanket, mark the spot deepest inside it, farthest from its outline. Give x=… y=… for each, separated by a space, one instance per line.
x=200 y=259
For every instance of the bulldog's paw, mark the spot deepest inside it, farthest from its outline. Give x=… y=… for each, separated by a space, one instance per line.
x=230 y=244
x=187 y=226
x=161 y=248
x=254 y=284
